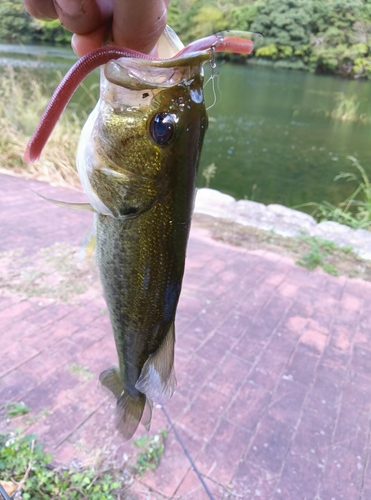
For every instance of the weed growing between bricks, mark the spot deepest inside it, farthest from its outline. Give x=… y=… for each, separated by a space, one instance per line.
x=25 y=468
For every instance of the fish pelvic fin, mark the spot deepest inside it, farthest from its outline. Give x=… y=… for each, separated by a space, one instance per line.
x=157 y=379
x=129 y=410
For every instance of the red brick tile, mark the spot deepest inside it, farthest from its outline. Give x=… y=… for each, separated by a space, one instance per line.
x=85 y=337
x=230 y=374
x=313 y=340
x=313 y=436
x=203 y=415
x=287 y=401
x=351 y=302
x=357 y=391
x=215 y=348
x=342 y=477
x=15 y=312
x=51 y=391
x=50 y=314
x=251 y=482
x=191 y=488
x=49 y=360
x=269 y=369
x=270 y=444
x=51 y=334
x=341 y=338
x=361 y=361
x=194 y=376
x=295 y=323
x=14 y=385
x=17 y=331
x=301 y=367
x=15 y=356
x=58 y=426
x=223 y=451
x=299 y=479
x=249 y=405
x=234 y=325
x=352 y=429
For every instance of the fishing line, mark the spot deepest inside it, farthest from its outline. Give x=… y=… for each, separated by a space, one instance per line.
x=212 y=76
x=209 y=494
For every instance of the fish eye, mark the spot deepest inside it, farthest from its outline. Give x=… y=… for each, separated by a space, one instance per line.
x=162 y=128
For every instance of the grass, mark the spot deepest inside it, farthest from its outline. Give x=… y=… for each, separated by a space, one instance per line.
x=22 y=102
x=309 y=251
x=16 y=409
x=152 y=449
x=354 y=211
x=81 y=372
x=26 y=468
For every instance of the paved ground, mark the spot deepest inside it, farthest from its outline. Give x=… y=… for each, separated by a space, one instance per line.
x=273 y=365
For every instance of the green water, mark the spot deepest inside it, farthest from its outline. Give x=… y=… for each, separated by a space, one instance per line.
x=268 y=134
x=267 y=130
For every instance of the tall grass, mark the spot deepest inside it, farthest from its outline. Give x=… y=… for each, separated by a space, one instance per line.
x=354 y=211
x=22 y=101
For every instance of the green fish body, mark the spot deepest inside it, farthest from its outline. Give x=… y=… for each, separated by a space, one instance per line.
x=137 y=159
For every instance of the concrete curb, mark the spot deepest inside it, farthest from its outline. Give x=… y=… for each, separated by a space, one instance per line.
x=282 y=220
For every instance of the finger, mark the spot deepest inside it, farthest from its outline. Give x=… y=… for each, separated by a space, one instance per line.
x=83 y=16
x=41 y=9
x=82 y=44
x=138 y=25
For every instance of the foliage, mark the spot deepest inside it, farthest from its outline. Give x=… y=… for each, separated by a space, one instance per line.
x=285 y=25
x=18 y=26
x=355 y=211
x=16 y=409
x=318 y=255
x=152 y=451
x=80 y=371
x=332 y=36
x=209 y=173
x=23 y=460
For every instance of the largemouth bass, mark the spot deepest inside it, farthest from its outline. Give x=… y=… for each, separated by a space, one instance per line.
x=137 y=160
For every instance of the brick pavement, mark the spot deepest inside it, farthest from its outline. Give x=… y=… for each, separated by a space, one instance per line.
x=273 y=365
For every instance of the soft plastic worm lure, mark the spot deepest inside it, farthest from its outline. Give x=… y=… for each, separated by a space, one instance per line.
x=237 y=42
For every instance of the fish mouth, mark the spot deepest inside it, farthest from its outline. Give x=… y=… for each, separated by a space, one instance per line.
x=142 y=74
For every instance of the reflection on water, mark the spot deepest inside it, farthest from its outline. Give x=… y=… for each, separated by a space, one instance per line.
x=268 y=134
x=269 y=130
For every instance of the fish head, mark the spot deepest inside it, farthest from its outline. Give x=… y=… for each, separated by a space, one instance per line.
x=145 y=135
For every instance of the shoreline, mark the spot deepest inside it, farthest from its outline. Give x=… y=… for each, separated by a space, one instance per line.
x=281 y=220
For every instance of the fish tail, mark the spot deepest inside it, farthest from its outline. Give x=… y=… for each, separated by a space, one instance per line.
x=129 y=410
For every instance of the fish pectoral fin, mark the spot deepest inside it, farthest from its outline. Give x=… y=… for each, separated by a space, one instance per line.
x=129 y=412
x=157 y=379
x=63 y=204
x=110 y=379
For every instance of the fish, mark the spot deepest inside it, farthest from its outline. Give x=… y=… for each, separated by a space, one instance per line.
x=137 y=160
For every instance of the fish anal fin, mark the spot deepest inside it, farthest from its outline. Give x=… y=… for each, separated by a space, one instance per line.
x=70 y=205
x=157 y=379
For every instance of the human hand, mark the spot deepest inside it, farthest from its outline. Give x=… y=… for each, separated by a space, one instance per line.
x=135 y=25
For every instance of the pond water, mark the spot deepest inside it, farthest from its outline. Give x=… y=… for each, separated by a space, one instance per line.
x=268 y=136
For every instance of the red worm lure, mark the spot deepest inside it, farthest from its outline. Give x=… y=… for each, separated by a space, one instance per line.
x=216 y=43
